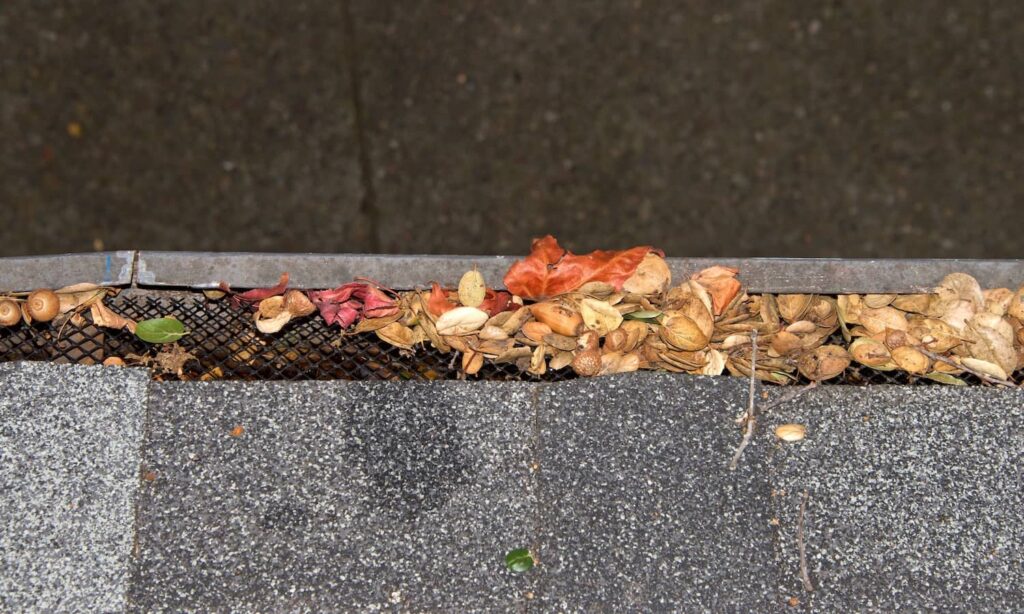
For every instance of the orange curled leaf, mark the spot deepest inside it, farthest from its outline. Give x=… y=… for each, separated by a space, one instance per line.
x=721 y=284
x=550 y=270
x=438 y=302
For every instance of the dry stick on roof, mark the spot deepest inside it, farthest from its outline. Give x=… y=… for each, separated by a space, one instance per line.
x=982 y=376
x=804 y=576
x=789 y=396
x=748 y=432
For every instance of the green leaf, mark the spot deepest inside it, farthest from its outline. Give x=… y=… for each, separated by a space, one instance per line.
x=945 y=378
x=642 y=315
x=160 y=330
x=519 y=560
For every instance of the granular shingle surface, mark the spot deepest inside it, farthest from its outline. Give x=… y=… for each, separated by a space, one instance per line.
x=69 y=462
x=334 y=496
x=915 y=498
x=640 y=512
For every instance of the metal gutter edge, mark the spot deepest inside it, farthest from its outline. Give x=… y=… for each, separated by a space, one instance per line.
x=21 y=274
x=776 y=275
x=159 y=269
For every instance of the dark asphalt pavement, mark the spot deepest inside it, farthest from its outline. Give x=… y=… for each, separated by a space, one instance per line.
x=781 y=129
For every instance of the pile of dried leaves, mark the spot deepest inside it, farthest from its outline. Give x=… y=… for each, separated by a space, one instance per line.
x=617 y=311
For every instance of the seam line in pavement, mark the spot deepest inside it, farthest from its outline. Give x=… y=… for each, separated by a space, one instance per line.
x=368 y=202
x=136 y=552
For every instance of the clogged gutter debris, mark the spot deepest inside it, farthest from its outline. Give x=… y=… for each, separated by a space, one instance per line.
x=618 y=311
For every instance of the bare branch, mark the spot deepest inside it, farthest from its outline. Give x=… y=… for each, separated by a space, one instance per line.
x=751 y=419
x=804 y=576
x=949 y=361
x=786 y=398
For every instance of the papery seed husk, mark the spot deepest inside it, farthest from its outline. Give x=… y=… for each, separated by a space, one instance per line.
x=472 y=362
x=875 y=301
x=785 y=342
x=983 y=366
x=493 y=347
x=397 y=335
x=877 y=320
x=790 y=432
x=515 y=320
x=513 y=354
x=271 y=307
x=912 y=303
x=560 y=342
x=801 y=327
x=997 y=300
x=472 y=288
x=991 y=339
x=460 y=321
x=597 y=289
x=493 y=333
x=272 y=324
x=1016 y=306
x=599 y=316
x=715 y=364
x=298 y=304
x=960 y=286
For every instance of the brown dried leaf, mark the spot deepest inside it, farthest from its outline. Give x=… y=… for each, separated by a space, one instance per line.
x=877 y=320
x=652 y=276
x=871 y=353
x=991 y=339
x=103 y=316
x=911 y=360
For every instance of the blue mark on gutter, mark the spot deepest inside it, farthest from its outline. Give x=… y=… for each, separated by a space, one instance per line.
x=107 y=271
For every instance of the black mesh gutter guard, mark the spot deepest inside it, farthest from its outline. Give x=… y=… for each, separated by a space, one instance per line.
x=224 y=344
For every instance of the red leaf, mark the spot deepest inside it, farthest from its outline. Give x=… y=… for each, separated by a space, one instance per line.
x=495 y=302
x=376 y=304
x=551 y=270
x=346 y=305
x=438 y=302
x=721 y=284
x=257 y=294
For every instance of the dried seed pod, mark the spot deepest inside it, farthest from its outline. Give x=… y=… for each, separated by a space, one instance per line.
x=616 y=362
x=616 y=340
x=801 y=327
x=871 y=353
x=10 y=312
x=538 y=363
x=991 y=339
x=681 y=332
x=877 y=320
x=560 y=318
x=983 y=366
x=824 y=362
x=997 y=300
x=298 y=304
x=472 y=362
x=587 y=363
x=651 y=277
x=516 y=320
x=792 y=307
x=784 y=342
x=43 y=305
x=560 y=360
x=911 y=360
x=912 y=303
x=1016 y=307
x=535 y=331
x=791 y=432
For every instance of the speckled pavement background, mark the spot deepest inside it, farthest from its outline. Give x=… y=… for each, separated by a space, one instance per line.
x=870 y=128
x=345 y=496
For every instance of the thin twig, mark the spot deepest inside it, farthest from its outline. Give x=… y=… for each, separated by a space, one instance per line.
x=751 y=424
x=789 y=396
x=804 y=576
x=982 y=376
